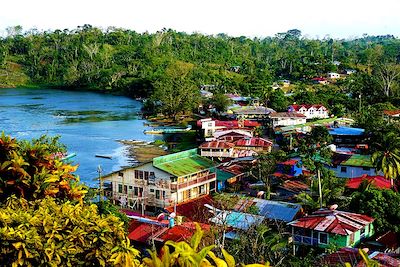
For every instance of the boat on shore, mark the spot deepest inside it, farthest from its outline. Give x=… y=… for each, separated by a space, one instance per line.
x=103 y=156
x=168 y=130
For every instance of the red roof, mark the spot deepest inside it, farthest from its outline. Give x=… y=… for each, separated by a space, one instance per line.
x=319 y=79
x=253 y=142
x=307 y=106
x=193 y=209
x=333 y=221
x=234 y=169
x=392 y=112
x=282 y=175
x=378 y=181
x=290 y=162
x=232 y=123
x=217 y=144
x=353 y=257
x=295 y=186
x=145 y=231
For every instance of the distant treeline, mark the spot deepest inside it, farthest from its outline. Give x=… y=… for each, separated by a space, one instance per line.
x=129 y=62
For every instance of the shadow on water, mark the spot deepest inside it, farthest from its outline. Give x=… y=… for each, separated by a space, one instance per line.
x=104 y=116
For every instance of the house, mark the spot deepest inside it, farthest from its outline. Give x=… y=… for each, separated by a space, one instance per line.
x=232 y=135
x=210 y=126
x=333 y=75
x=167 y=179
x=320 y=80
x=229 y=173
x=285 y=83
x=256 y=144
x=217 y=149
x=206 y=94
x=310 y=111
x=256 y=113
x=347 y=136
x=286 y=118
x=352 y=165
x=328 y=227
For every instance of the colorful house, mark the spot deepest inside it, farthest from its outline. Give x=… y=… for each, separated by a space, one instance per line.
x=166 y=180
x=310 y=111
x=352 y=165
x=256 y=144
x=377 y=181
x=324 y=228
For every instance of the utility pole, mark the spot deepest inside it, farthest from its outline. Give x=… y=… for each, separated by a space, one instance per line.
x=319 y=188
x=101 y=192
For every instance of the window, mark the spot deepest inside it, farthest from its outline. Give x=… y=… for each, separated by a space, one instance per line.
x=323 y=238
x=157 y=194
x=136 y=191
x=202 y=189
x=366 y=168
x=163 y=195
x=146 y=175
x=351 y=239
x=125 y=189
x=130 y=187
x=119 y=188
x=141 y=175
x=343 y=169
x=151 y=190
x=136 y=174
x=121 y=174
x=362 y=232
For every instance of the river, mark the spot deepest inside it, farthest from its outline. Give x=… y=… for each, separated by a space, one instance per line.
x=88 y=123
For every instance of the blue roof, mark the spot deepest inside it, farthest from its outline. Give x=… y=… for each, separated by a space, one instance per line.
x=272 y=210
x=346 y=131
x=237 y=220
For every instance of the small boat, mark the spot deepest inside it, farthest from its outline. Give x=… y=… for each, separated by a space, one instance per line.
x=68 y=157
x=168 y=130
x=103 y=156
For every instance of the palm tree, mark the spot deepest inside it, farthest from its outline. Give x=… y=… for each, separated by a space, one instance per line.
x=387 y=156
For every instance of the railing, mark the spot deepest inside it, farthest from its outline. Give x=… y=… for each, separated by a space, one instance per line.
x=177 y=186
x=306 y=240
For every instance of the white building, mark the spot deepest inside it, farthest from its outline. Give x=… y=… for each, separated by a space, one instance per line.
x=287 y=118
x=333 y=75
x=310 y=111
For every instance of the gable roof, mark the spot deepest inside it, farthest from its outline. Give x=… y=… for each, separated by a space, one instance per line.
x=217 y=144
x=254 y=142
x=236 y=132
x=378 y=181
x=255 y=110
x=183 y=163
x=306 y=106
x=333 y=221
x=294 y=186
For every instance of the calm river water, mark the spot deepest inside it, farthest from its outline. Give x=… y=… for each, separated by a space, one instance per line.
x=89 y=124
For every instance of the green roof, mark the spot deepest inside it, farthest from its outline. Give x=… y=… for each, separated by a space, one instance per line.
x=359 y=161
x=223 y=175
x=183 y=163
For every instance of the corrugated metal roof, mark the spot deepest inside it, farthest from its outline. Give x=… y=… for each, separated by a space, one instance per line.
x=272 y=210
x=237 y=220
x=378 y=181
x=183 y=163
x=254 y=142
x=358 y=160
x=346 y=131
x=217 y=144
x=333 y=221
x=287 y=115
x=223 y=175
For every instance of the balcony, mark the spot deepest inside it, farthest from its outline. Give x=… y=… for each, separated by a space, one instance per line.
x=176 y=186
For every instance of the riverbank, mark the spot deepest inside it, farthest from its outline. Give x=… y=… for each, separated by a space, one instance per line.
x=141 y=151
